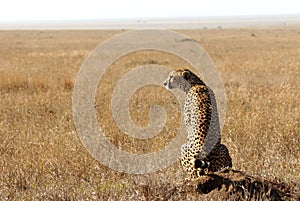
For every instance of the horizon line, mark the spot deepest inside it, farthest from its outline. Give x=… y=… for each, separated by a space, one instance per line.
x=158 y=18
x=211 y=22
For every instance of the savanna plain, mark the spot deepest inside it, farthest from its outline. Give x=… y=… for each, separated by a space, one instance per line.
x=43 y=158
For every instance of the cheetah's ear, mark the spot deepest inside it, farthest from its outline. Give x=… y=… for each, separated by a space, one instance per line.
x=186 y=74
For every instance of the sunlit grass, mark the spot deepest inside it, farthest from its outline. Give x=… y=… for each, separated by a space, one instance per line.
x=42 y=157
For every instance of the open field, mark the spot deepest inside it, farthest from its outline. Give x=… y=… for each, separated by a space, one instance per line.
x=42 y=157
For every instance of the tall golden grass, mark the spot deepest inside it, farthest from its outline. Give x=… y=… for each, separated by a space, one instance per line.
x=42 y=157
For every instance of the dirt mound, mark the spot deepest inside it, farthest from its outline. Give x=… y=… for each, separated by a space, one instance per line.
x=236 y=185
x=225 y=185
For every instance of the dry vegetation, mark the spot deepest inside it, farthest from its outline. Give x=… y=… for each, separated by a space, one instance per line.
x=42 y=157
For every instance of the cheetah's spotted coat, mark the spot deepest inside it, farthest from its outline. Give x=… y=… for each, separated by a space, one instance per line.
x=203 y=151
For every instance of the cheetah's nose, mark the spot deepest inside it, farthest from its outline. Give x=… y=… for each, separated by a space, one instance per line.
x=166 y=85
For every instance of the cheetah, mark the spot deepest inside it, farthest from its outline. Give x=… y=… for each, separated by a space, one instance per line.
x=203 y=153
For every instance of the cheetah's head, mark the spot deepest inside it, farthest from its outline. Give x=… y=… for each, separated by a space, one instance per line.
x=181 y=79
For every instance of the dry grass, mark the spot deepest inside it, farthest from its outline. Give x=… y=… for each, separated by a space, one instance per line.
x=41 y=155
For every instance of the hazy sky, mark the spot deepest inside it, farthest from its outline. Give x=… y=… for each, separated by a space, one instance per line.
x=16 y=10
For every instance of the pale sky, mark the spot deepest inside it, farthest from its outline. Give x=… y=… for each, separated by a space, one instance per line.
x=19 y=10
